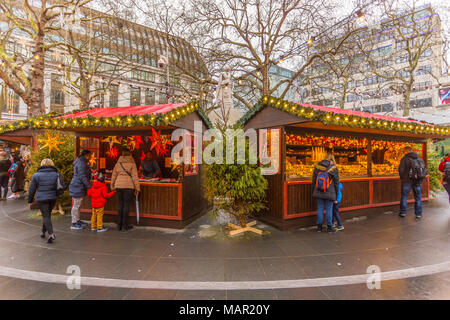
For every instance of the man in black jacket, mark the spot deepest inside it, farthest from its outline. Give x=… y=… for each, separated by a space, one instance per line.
x=408 y=184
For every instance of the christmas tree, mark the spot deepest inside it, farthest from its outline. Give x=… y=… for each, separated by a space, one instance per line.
x=60 y=148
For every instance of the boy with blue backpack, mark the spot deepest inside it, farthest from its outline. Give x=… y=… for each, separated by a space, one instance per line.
x=336 y=205
x=325 y=182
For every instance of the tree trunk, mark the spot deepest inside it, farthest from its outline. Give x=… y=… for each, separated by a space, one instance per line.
x=265 y=78
x=407 y=100
x=242 y=221
x=36 y=104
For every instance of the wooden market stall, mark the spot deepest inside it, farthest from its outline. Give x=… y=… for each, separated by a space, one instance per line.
x=367 y=148
x=172 y=200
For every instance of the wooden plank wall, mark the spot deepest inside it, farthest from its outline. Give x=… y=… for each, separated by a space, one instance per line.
x=194 y=201
x=153 y=199
x=356 y=194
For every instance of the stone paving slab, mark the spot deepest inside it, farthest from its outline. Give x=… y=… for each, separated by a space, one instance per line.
x=384 y=239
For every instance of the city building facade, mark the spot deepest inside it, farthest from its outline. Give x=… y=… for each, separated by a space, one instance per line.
x=127 y=74
x=349 y=81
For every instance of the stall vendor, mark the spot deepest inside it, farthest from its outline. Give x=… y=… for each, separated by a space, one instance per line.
x=149 y=166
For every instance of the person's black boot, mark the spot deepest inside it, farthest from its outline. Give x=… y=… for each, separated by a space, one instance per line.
x=42 y=235
x=319 y=228
x=331 y=229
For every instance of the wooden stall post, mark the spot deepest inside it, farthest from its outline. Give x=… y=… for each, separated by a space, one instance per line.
x=369 y=157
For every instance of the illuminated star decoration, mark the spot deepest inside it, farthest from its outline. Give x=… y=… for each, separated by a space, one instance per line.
x=92 y=161
x=50 y=143
x=159 y=143
x=111 y=140
x=113 y=152
x=134 y=142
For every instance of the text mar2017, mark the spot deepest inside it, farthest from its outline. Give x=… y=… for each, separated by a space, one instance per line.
x=233 y=309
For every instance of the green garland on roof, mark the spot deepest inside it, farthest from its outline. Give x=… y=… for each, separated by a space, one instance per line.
x=50 y=121
x=205 y=118
x=340 y=119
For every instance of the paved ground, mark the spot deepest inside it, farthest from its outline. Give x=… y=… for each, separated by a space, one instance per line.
x=415 y=254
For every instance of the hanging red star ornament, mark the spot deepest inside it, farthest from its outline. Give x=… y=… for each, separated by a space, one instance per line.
x=142 y=157
x=159 y=143
x=137 y=141
x=113 y=152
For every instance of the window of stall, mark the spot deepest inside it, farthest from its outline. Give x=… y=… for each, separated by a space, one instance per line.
x=386 y=156
x=192 y=168
x=304 y=151
x=92 y=144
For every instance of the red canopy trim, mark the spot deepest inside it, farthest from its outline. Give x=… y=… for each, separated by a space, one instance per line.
x=358 y=113
x=123 y=111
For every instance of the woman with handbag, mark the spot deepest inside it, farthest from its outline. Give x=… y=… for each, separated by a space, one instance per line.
x=48 y=185
x=125 y=181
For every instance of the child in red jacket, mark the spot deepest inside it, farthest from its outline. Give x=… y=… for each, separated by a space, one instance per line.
x=98 y=193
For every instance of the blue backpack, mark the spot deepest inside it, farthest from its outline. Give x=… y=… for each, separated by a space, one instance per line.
x=323 y=180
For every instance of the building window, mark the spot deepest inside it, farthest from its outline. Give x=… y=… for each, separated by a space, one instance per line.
x=56 y=94
x=9 y=100
x=162 y=99
x=114 y=96
x=421 y=103
x=135 y=96
x=150 y=97
x=143 y=75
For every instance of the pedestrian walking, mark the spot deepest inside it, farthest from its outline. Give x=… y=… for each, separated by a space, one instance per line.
x=336 y=204
x=78 y=187
x=47 y=184
x=412 y=171
x=444 y=167
x=18 y=177
x=125 y=181
x=325 y=182
x=99 y=195
x=5 y=164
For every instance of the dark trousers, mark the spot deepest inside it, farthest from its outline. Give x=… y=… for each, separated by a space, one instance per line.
x=4 y=185
x=125 y=197
x=46 y=208
x=417 y=191
x=336 y=215
x=447 y=188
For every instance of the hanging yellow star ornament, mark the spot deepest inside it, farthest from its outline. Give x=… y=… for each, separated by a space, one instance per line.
x=50 y=143
x=111 y=140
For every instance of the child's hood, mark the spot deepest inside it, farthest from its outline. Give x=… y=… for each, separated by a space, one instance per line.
x=98 y=185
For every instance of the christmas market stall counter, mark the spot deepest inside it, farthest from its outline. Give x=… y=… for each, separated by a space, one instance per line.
x=367 y=148
x=171 y=196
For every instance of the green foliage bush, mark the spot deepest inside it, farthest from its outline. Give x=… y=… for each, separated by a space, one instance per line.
x=433 y=171
x=240 y=188
x=63 y=159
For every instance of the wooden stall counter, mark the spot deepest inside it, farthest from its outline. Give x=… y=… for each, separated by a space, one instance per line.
x=357 y=193
x=159 y=200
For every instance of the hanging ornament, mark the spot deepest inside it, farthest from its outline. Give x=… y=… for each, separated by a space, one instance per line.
x=111 y=141
x=134 y=142
x=92 y=161
x=113 y=152
x=142 y=157
x=50 y=143
x=159 y=142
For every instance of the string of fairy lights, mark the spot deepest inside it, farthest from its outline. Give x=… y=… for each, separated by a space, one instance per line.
x=53 y=121
x=340 y=118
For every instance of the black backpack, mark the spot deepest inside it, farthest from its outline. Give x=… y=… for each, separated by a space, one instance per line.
x=447 y=171
x=417 y=171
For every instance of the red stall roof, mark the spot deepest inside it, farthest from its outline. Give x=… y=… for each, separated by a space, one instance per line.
x=358 y=113
x=123 y=111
